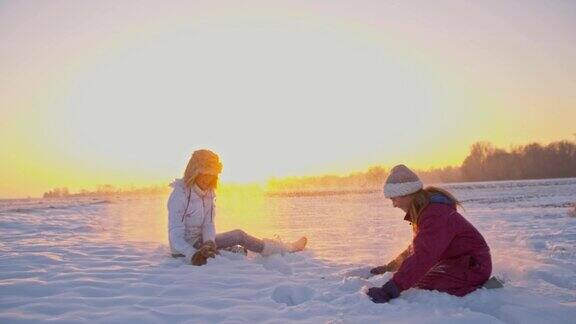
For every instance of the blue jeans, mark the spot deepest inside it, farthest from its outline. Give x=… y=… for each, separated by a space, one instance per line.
x=236 y=237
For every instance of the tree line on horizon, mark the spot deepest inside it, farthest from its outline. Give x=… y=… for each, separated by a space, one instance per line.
x=532 y=161
x=485 y=162
x=107 y=190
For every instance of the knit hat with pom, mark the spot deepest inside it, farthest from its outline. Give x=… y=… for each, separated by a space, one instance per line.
x=401 y=181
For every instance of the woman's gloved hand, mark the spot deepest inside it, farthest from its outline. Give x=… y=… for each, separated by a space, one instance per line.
x=207 y=250
x=384 y=293
x=380 y=270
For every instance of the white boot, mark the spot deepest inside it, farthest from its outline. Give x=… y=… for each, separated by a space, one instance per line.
x=273 y=247
x=278 y=247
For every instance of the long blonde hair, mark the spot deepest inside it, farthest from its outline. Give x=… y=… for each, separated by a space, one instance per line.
x=202 y=161
x=421 y=199
x=190 y=174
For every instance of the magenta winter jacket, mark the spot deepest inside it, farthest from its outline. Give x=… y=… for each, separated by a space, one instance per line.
x=448 y=254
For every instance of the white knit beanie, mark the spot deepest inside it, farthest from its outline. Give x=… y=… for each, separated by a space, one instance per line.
x=401 y=181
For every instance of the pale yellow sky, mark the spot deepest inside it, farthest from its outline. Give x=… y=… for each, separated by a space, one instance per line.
x=122 y=93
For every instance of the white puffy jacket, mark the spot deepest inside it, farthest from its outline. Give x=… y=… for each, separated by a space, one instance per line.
x=191 y=215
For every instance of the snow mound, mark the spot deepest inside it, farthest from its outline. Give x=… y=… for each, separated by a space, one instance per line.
x=292 y=295
x=277 y=263
x=362 y=272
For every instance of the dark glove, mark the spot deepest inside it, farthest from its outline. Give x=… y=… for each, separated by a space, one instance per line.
x=384 y=293
x=210 y=245
x=207 y=250
x=379 y=270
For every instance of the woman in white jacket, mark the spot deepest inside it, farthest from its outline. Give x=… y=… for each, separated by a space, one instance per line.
x=191 y=212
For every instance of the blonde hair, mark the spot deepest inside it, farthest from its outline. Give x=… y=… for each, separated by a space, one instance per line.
x=202 y=162
x=190 y=178
x=421 y=200
x=190 y=174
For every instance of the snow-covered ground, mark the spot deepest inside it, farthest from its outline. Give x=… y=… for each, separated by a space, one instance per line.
x=107 y=261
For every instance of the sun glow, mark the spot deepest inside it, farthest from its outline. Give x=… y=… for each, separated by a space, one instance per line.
x=277 y=91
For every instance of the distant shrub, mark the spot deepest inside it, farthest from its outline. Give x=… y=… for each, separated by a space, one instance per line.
x=573 y=211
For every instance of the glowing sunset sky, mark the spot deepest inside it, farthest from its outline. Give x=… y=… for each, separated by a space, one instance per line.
x=121 y=92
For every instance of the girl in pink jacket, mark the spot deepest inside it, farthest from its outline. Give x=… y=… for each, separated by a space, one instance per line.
x=447 y=253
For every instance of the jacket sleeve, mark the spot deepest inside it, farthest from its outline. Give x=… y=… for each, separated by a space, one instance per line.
x=434 y=235
x=176 y=206
x=208 y=227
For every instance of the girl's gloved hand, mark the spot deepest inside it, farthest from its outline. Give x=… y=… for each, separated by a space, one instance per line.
x=210 y=245
x=207 y=250
x=384 y=293
x=379 y=270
